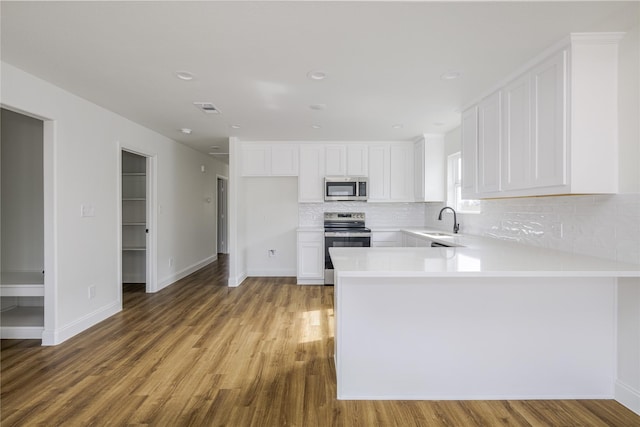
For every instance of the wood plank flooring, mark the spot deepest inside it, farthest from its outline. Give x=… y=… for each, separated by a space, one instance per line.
x=199 y=353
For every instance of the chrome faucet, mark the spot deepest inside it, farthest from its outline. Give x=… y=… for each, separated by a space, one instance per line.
x=456 y=226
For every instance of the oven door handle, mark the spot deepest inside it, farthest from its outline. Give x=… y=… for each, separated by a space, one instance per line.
x=345 y=234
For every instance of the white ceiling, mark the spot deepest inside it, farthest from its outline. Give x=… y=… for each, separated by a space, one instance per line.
x=383 y=60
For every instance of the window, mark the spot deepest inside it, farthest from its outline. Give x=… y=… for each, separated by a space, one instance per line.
x=454 y=187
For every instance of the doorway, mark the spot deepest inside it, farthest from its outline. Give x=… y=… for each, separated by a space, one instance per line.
x=222 y=216
x=22 y=209
x=137 y=248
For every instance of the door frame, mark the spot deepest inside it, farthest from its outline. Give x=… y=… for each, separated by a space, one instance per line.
x=225 y=226
x=151 y=196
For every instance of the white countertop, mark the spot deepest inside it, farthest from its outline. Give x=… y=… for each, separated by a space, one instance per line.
x=475 y=257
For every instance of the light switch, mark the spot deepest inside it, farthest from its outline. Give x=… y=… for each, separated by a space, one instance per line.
x=87 y=211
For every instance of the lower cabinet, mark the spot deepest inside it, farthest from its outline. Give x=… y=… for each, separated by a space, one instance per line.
x=386 y=239
x=310 y=257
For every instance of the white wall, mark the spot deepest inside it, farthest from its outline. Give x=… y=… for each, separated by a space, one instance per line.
x=272 y=207
x=22 y=193
x=82 y=163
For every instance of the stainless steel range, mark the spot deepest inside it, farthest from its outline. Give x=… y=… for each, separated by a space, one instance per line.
x=343 y=229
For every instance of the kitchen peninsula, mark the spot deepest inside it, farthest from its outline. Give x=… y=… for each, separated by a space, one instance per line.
x=485 y=320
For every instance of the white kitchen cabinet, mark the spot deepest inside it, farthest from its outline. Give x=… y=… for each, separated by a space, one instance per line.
x=284 y=160
x=549 y=120
x=335 y=159
x=391 y=172
x=469 y=133
x=346 y=159
x=379 y=179
x=386 y=239
x=429 y=173
x=516 y=135
x=264 y=159
x=489 y=136
x=357 y=160
x=310 y=257
x=401 y=173
x=559 y=130
x=312 y=173
x=256 y=160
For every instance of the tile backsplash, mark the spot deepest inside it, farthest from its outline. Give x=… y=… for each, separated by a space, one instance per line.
x=606 y=226
x=378 y=215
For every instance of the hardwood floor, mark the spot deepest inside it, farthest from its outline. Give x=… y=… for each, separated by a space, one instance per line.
x=200 y=353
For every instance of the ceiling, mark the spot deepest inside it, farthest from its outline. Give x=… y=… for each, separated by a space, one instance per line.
x=383 y=60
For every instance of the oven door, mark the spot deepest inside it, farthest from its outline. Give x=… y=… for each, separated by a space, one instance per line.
x=335 y=240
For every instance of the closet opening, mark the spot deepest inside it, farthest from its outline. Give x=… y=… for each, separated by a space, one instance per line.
x=135 y=228
x=22 y=256
x=222 y=216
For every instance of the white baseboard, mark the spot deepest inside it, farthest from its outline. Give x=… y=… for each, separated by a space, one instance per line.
x=57 y=336
x=310 y=282
x=234 y=282
x=185 y=272
x=627 y=396
x=285 y=272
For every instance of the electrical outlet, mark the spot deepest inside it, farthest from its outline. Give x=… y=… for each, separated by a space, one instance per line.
x=272 y=252
x=92 y=291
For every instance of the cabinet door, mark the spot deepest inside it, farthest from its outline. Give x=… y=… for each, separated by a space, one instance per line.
x=311 y=255
x=429 y=169
x=335 y=160
x=256 y=160
x=379 y=172
x=284 y=160
x=386 y=239
x=489 y=136
x=401 y=173
x=311 y=174
x=469 y=131
x=516 y=135
x=357 y=160
x=549 y=122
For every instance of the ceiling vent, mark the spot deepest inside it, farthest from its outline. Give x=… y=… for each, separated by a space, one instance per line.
x=207 y=107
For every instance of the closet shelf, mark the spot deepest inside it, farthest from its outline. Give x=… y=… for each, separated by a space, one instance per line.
x=134 y=223
x=22 y=323
x=134 y=174
x=134 y=248
x=21 y=284
x=133 y=199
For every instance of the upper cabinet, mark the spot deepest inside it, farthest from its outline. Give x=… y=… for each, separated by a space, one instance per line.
x=469 y=131
x=550 y=130
x=346 y=160
x=391 y=172
x=429 y=171
x=264 y=159
x=489 y=135
x=312 y=173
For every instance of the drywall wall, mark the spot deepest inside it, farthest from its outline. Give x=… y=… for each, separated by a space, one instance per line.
x=81 y=168
x=272 y=207
x=22 y=193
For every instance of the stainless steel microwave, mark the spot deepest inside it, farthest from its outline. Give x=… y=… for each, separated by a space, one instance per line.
x=340 y=188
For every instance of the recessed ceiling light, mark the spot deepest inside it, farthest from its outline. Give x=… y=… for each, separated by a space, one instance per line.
x=398 y=126
x=184 y=75
x=315 y=126
x=235 y=126
x=451 y=75
x=186 y=131
x=318 y=106
x=317 y=75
